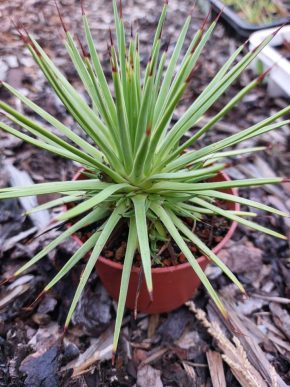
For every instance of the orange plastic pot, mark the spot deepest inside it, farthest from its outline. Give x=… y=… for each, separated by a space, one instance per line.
x=172 y=286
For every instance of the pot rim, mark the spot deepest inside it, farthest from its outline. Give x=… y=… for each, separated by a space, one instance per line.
x=180 y=266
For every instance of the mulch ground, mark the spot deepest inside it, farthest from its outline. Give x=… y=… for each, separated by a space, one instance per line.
x=174 y=349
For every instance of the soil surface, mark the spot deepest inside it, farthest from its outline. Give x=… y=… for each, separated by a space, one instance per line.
x=175 y=349
x=211 y=230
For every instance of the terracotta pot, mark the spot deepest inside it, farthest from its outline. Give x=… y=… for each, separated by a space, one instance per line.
x=172 y=286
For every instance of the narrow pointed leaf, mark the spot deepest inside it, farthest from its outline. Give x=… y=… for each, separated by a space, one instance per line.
x=102 y=239
x=76 y=257
x=236 y=218
x=142 y=231
x=92 y=202
x=94 y=216
x=169 y=225
x=130 y=251
x=205 y=250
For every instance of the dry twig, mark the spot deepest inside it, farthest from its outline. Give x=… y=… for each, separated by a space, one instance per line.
x=235 y=355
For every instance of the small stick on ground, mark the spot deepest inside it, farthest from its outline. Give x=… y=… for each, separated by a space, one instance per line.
x=163 y=248
x=172 y=253
x=216 y=369
x=244 y=356
x=234 y=354
x=153 y=324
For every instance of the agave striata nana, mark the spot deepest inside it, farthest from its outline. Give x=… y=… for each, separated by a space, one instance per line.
x=136 y=165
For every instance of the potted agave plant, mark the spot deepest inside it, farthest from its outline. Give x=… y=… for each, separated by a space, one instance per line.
x=140 y=181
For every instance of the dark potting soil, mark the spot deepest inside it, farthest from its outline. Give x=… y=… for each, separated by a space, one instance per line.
x=211 y=230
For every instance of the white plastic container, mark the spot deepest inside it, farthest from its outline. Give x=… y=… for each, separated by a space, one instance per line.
x=279 y=77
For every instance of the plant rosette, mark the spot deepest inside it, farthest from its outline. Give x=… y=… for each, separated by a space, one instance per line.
x=173 y=285
x=138 y=169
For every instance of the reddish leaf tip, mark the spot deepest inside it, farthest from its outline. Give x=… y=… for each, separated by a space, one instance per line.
x=219 y=14
x=278 y=29
x=131 y=30
x=8 y=279
x=256 y=48
x=225 y=314
x=151 y=295
x=204 y=23
x=114 y=68
x=121 y=9
x=189 y=78
x=286 y=180
x=113 y=357
x=63 y=333
x=109 y=49
x=84 y=52
x=111 y=37
x=61 y=18
x=17 y=28
x=82 y=7
x=26 y=40
x=263 y=75
x=38 y=298
x=246 y=42
x=31 y=43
